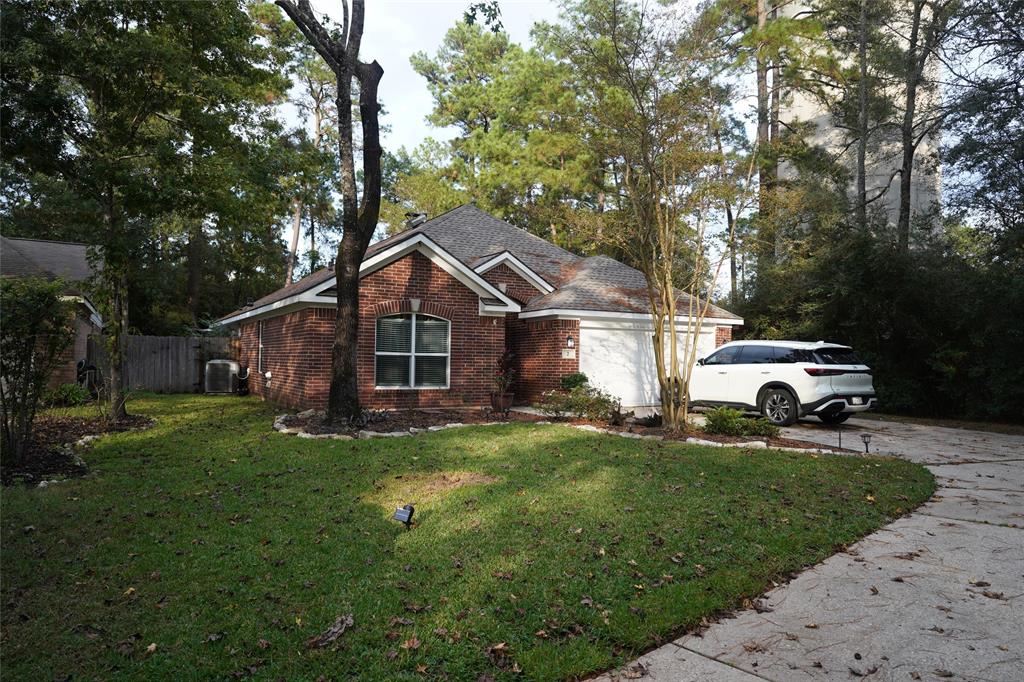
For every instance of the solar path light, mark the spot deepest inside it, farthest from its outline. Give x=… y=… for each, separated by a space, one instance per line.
x=866 y=437
x=404 y=514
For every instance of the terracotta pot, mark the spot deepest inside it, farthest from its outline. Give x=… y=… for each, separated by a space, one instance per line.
x=501 y=402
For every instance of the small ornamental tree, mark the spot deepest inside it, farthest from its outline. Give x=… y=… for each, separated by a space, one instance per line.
x=35 y=329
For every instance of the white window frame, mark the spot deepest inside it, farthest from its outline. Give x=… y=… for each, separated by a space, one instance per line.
x=412 y=356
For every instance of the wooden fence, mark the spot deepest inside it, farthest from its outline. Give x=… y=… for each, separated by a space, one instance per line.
x=164 y=364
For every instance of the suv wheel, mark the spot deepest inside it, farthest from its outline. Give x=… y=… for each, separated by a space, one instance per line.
x=779 y=407
x=835 y=417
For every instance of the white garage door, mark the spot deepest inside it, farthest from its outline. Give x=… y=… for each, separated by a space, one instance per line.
x=621 y=361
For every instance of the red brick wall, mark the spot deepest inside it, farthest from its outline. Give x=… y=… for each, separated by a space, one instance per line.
x=296 y=352
x=538 y=345
x=296 y=346
x=722 y=335
x=66 y=371
x=516 y=287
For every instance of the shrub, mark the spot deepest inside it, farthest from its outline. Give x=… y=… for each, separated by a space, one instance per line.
x=725 y=421
x=35 y=328
x=581 y=402
x=66 y=395
x=761 y=427
x=571 y=381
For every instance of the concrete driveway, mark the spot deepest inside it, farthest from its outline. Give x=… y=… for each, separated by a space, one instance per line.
x=937 y=595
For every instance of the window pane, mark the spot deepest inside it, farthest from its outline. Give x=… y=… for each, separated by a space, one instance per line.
x=431 y=371
x=757 y=355
x=394 y=334
x=837 y=356
x=726 y=356
x=790 y=355
x=392 y=370
x=431 y=335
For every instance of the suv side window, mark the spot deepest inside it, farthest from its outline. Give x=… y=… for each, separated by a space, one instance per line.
x=726 y=356
x=756 y=354
x=791 y=355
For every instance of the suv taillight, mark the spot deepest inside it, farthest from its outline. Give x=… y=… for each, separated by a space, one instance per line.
x=822 y=372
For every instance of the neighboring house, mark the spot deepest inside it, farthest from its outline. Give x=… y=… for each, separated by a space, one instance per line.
x=440 y=303
x=53 y=260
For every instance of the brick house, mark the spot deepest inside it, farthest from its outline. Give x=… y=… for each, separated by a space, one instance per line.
x=52 y=260
x=440 y=303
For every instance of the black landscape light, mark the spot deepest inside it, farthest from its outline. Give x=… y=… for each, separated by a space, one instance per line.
x=866 y=437
x=404 y=514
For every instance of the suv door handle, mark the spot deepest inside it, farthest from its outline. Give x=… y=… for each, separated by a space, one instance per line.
x=765 y=372
x=722 y=372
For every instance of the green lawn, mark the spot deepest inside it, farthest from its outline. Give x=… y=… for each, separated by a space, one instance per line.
x=228 y=546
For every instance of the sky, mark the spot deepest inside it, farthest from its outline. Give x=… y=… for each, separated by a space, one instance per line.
x=394 y=30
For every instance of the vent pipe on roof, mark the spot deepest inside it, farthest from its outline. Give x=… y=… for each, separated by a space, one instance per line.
x=413 y=219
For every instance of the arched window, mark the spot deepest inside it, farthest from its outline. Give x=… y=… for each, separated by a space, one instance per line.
x=412 y=351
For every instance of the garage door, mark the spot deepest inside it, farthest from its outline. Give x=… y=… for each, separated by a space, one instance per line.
x=621 y=361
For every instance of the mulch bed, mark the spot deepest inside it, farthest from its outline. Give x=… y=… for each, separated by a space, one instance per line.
x=403 y=420
x=699 y=433
x=48 y=454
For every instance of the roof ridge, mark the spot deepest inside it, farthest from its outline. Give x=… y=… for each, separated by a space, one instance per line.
x=46 y=241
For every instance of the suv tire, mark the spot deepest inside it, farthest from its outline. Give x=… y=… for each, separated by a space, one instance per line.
x=779 y=407
x=835 y=417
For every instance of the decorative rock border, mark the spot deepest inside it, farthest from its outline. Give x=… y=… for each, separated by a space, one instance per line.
x=281 y=427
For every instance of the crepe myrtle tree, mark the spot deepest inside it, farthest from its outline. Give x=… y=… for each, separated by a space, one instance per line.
x=35 y=330
x=339 y=48
x=644 y=76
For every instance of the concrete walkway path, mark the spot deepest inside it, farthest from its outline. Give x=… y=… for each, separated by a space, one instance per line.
x=937 y=595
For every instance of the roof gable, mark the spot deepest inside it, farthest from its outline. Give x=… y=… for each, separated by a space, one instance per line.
x=42 y=258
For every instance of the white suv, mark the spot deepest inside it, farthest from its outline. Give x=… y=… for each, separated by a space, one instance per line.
x=785 y=380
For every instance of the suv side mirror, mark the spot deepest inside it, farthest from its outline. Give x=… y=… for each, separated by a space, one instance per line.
x=700 y=361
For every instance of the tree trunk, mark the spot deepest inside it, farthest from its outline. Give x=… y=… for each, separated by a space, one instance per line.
x=194 y=270
x=862 y=117
x=912 y=79
x=117 y=281
x=293 y=251
x=776 y=107
x=341 y=53
x=763 y=127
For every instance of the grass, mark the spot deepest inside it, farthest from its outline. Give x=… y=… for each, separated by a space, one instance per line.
x=227 y=546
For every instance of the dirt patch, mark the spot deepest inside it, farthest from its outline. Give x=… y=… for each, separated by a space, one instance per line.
x=418 y=488
x=403 y=420
x=50 y=453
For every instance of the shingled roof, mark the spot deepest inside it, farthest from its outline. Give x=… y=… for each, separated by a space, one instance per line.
x=472 y=236
x=42 y=258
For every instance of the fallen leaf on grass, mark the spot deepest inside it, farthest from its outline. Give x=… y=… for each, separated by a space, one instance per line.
x=411 y=644
x=332 y=633
x=151 y=649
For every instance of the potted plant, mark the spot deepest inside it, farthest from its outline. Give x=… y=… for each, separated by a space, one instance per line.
x=504 y=376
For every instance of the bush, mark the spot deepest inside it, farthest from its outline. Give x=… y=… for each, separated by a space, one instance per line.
x=581 y=402
x=725 y=421
x=574 y=380
x=761 y=427
x=35 y=329
x=66 y=395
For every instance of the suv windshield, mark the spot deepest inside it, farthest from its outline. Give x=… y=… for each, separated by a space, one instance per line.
x=836 y=356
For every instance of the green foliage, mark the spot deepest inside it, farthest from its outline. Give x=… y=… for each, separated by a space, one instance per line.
x=35 y=329
x=522 y=150
x=582 y=402
x=571 y=381
x=726 y=421
x=66 y=395
x=739 y=521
